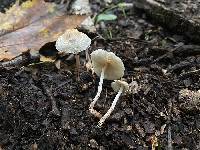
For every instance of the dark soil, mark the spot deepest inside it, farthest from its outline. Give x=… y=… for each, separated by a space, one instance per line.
x=189 y=8
x=5 y=4
x=44 y=108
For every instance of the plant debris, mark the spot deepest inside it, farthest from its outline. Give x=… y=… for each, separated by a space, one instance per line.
x=43 y=107
x=35 y=24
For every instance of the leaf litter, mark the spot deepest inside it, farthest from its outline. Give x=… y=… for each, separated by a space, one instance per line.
x=31 y=25
x=28 y=121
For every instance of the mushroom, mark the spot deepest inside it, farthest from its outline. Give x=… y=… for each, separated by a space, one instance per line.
x=120 y=87
x=107 y=66
x=73 y=41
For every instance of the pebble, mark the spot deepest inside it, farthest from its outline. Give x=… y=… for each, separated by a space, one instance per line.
x=129 y=111
x=142 y=21
x=123 y=23
x=73 y=131
x=187 y=82
x=86 y=77
x=102 y=148
x=117 y=116
x=149 y=127
x=93 y=143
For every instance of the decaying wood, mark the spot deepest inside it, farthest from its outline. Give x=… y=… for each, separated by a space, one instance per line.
x=170 y=19
x=21 y=60
x=180 y=50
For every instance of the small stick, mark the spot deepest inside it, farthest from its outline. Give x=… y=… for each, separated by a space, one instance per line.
x=167 y=54
x=189 y=73
x=169 y=134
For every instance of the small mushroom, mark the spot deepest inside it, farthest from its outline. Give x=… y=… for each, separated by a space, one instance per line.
x=120 y=87
x=73 y=41
x=107 y=66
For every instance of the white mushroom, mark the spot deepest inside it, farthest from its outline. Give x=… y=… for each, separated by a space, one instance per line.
x=107 y=66
x=73 y=41
x=120 y=87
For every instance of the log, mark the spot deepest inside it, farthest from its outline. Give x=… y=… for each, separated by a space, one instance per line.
x=170 y=18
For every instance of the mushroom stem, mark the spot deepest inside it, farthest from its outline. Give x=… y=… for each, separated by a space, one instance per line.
x=87 y=56
x=88 y=61
x=77 y=66
x=91 y=108
x=102 y=120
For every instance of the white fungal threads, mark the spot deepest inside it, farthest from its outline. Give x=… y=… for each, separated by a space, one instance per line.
x=102 y=120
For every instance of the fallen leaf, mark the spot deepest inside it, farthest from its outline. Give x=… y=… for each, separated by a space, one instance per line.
x=31 y=25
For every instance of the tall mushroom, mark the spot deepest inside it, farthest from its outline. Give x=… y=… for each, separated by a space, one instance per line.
x=120 y=87
x=73 y=41
x=107 y=66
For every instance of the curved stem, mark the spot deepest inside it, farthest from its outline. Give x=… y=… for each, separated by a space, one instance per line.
x=102 y=120
x=91 y=108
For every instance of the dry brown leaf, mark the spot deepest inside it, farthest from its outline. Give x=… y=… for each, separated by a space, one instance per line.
x=31 y=25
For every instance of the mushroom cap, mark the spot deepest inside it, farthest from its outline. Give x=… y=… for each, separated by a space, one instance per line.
x=72 y=41
x=115 y=67
x=118 y=83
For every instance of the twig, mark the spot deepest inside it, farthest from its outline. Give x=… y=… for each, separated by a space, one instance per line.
x=169 y=134
x=168 y=53
x=169 y=18
x=180 y=65
x=190 y=73
x=131 y=38
x=20 y=60
x=169 y=137
x=13 y=62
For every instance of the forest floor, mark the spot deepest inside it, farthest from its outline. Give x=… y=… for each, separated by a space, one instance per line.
x=163 y=112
